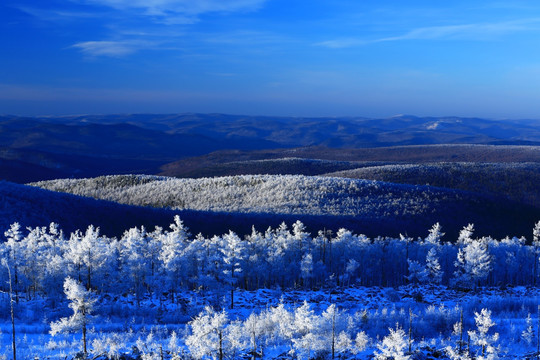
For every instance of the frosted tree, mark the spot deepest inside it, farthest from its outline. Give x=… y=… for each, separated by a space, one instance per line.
x=454 y=354
x=360 y=342
x=255 y=328
x=417 y=272
x=343 y=343
x=332 y=326
x=284 y=323
x=15 y=255
x=173 y=244
x=306 y=269
x=133 y=248
x=473 y=264
x=111 y=345
x=350 y=270
x=435 y=235
x=207 y=336
x=149 y=348
x=465 y=235
x=393 y=346
x=536 y=244
x=32 y=249
x=82 y=303
x=305 y=323
x=457 y=353
x=88 y=253
x=236 y=339
x=528 y=334
x=234 y=253
x=12 y=311
x=433 y=267
x=480 y=337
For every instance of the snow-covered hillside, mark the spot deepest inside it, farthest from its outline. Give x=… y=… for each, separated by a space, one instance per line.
x=368 y=206
x=262 y=193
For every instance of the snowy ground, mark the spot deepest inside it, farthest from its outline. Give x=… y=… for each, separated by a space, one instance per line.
x=120 y=325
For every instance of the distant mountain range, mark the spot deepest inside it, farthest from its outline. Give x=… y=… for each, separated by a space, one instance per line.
x=40 y=148
x=485 y=171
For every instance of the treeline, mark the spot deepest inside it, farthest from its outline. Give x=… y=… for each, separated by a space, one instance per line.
x=167 y=261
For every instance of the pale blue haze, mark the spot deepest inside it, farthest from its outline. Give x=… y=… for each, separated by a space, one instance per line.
x=271 y=57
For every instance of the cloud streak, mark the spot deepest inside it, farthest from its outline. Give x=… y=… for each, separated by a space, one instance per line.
x=112 y=48
x=179 y=11
x=475 y=32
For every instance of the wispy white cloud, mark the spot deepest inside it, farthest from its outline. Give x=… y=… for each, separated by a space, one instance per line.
x=179 y=11
x=112 y=48
x=481 y=31
x=53 y=15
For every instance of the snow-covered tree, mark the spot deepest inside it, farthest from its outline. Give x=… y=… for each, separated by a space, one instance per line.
x=234 y=253
x=207 y=336
x=435 y=235
x=360 y=342
x=433 y=268
x=255 y=327
x=11 y=308
x=15 y=255
x=393 y=346
x=305 y=323
x=473 y=264
x=173 y=244
x=82 y=303
x=333 y=324
x=306 y=269
x=465 y=235
x=528 y=334
x=417 y=272
x=536 y=245
x=135 y=260
x=88 y=253
x=480 y=337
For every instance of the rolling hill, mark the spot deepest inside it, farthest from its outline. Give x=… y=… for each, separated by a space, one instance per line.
x=31 y=206
x=369 y=207
x=88 y=146
x=515 y=181
x=227 y=162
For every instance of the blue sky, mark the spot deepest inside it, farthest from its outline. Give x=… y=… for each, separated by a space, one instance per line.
x=271 y=57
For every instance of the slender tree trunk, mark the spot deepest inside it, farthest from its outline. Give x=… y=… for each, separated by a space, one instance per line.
x=13 y=345
x=16 y=284
x=84 y=336
x=538 y=335
x=535 y=271
x=461 y=331
x=333 y=334
x=410 y=330
x=220 y=345
x=254 y=345
x=89 y=269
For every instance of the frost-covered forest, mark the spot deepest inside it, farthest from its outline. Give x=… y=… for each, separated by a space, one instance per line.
x=260 y=193
x=375 y=208
x=278 y=293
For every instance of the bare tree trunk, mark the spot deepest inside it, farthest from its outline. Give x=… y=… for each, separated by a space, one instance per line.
x=13 y=345
x=84 y=338
x=538 y=335
x=461 y=332
x=220 y=345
